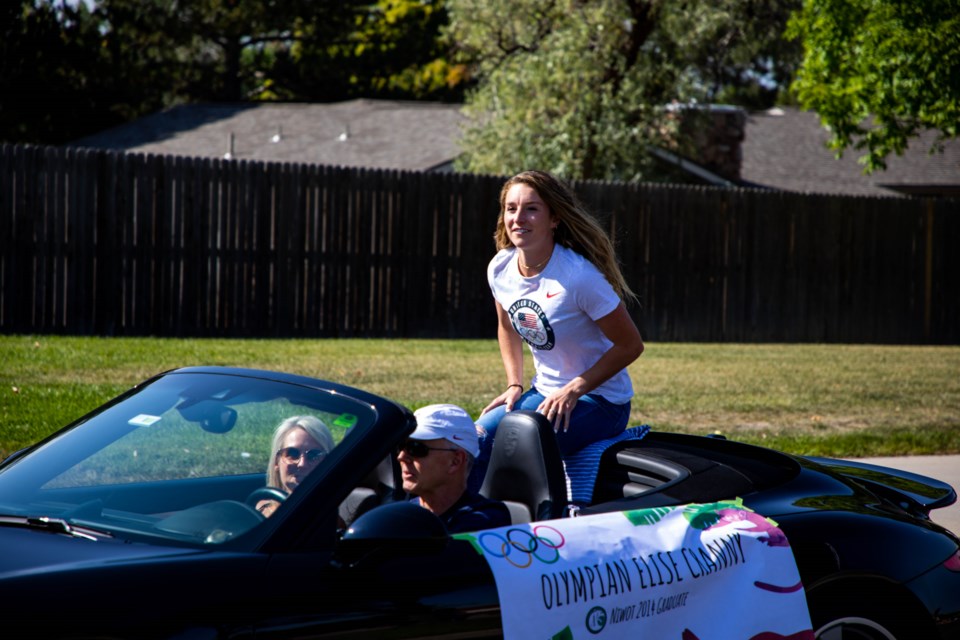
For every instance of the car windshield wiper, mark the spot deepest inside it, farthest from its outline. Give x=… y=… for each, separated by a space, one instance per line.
x=54 y=525
x=59 y=525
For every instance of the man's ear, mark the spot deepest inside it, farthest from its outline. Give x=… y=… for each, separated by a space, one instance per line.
x=458 y=460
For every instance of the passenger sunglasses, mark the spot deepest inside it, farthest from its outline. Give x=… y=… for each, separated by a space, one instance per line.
x=417 y=449
x=293 y=454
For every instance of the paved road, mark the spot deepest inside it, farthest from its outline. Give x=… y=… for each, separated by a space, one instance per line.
x=945 y=468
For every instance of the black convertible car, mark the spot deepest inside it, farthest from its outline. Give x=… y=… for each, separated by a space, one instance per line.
x=139 y=520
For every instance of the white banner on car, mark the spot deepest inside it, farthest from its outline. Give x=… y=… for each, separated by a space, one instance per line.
x=693 y=572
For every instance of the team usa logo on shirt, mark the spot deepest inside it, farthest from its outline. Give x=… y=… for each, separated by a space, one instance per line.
x=531 y=323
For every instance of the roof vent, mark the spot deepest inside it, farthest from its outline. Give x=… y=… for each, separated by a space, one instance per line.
x=343 y=137
x=229 y=154
x=278 y=136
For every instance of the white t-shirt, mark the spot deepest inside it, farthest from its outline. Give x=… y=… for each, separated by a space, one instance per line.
x=555 y=313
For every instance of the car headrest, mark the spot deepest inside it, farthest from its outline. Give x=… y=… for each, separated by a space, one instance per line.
x=385 y=479
x=382 y=485
x=526 y=470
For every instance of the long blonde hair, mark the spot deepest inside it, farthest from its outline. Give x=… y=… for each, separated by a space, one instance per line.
x=576 y=228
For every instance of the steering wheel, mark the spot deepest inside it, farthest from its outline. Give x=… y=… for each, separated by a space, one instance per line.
x=266 y=493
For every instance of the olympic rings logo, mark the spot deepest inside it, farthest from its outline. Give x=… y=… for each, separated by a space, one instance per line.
x=519 y=547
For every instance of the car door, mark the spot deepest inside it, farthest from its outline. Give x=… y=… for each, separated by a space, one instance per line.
x=394 y=591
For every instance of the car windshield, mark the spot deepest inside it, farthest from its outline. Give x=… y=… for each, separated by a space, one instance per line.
x=181 y=458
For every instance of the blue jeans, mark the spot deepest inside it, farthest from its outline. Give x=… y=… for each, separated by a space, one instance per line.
x=593 y=418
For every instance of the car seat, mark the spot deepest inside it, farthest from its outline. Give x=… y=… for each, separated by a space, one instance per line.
x=526 y=470
x=380 y=486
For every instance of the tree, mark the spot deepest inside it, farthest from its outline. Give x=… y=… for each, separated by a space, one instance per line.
x=399 y=52
x=745 y=59
x=878 y=72
x=584 y=89
x=54 y=85
x=394 y=50
x=221 y=50
x=69 y=68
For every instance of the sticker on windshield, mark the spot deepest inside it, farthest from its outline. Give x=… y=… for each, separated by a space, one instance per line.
x=345 y=420
x=143 y=420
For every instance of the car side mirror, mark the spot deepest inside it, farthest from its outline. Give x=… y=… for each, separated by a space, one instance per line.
x=395 y=529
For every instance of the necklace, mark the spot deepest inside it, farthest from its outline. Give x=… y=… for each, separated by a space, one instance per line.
x=535 y=266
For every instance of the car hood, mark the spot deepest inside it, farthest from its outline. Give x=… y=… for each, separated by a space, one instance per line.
x=29 y=551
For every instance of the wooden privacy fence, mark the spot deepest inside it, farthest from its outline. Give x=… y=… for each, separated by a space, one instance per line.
x=106 y=243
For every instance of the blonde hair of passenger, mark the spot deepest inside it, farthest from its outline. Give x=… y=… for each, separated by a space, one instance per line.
x=576 y=228
x=312 y=425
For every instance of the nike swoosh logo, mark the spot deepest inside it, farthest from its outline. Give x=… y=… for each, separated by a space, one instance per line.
x=457 y=437
x=555 y=293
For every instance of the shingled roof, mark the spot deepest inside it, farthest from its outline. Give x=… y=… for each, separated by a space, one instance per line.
x=782 y=149
x=408 y=135
x=786 y=149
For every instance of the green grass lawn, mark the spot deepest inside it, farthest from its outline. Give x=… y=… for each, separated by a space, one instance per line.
x=841 y=400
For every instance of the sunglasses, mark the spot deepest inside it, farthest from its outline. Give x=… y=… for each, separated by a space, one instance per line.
x=292 y=455
x=417 y=449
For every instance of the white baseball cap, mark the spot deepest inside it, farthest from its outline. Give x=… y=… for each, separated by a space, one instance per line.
x=449 y=422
